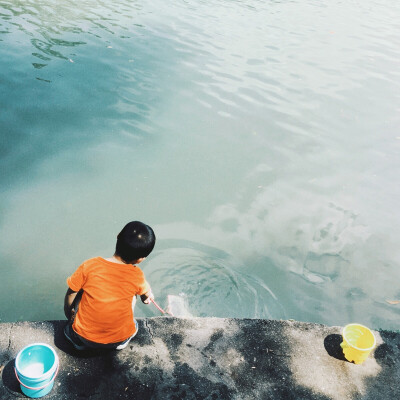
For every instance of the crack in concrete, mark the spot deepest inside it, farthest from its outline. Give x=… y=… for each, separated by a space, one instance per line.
x=148 y=329
x=9 y=338
x=152 y=339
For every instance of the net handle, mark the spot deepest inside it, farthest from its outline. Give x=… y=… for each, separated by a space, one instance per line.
x=41 y=387
x=160 y=309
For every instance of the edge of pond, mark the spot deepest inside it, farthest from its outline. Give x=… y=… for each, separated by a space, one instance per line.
x=210 y=358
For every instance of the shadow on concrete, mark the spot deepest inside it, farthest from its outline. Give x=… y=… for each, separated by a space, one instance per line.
x=388 y=353
x=65 y=346
x=386 y=384
x=9 y=379
x=332 y=346
x=266 y=371
x=101 y=373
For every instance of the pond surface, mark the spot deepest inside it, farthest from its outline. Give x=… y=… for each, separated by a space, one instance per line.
x=260 y=140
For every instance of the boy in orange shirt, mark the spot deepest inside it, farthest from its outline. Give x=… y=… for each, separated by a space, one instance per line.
x=101 y=297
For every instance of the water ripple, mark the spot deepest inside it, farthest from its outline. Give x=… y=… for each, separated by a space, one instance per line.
x=212 y=283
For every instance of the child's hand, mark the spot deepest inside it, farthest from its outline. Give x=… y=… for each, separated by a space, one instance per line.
x=147 y=297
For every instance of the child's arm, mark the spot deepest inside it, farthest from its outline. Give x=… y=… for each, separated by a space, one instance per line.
x=69 y=311
x=147 y=296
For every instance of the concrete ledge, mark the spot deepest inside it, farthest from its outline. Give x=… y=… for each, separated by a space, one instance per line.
x=210 y=358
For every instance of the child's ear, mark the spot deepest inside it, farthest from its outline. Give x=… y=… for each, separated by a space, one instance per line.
x=138 y=261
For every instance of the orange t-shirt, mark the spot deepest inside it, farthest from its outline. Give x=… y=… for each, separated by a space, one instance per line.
x=105 y=312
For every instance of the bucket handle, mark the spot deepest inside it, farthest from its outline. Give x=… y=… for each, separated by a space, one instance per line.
x=42 y=387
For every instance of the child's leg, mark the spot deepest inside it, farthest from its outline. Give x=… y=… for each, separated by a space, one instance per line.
x=71 y=310
x=81 y=343
x=126 y=342
x=75 y=303
x=73 y=337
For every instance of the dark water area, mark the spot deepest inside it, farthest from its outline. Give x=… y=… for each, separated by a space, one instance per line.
x=260 y=140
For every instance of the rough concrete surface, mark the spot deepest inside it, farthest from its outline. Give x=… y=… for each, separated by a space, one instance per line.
x=210 y=358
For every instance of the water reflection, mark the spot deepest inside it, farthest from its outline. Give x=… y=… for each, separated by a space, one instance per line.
x=266 y=130
x=97 y=80
x=54 y=29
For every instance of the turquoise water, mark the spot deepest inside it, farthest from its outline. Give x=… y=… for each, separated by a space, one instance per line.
x=260 y=139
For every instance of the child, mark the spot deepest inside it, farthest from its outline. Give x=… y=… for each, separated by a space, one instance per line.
x=100 y=300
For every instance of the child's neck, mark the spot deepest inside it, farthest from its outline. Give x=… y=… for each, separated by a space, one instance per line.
x=116 y=259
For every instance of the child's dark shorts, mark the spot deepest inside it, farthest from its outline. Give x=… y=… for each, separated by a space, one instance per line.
x=80 y=343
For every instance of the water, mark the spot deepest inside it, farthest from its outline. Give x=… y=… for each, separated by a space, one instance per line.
x=260 y=139
x=34 y=370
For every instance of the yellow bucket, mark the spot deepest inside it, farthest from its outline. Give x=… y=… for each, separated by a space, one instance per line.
x=358 y=341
